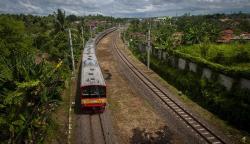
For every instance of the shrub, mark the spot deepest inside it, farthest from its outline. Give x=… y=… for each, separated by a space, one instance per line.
x=241 y=56
x=204 y=48
x=218 y=57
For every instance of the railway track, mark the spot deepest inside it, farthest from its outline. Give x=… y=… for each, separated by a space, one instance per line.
x=97 y=132
x=204 y=133
x=92 y=127
x=93 y=130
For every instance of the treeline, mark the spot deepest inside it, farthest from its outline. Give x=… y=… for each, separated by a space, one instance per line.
x=198 y=33
x=193 y=29
x=35 y=63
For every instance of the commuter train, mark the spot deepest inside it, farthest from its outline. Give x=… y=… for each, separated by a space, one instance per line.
x=93 y=87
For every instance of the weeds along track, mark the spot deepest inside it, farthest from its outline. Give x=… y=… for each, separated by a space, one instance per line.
x=203 y=132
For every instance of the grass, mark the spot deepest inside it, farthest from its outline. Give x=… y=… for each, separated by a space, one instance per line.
x=234 y=54
x=113 y=105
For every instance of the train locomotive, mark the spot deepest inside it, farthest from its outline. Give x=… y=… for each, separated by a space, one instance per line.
x=93 y=87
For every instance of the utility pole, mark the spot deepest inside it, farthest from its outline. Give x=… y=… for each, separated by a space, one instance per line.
x=123 y=37
x=149 y=46
x=119 y=27
x=90 y=30
x=82 y=37
x=71 y=49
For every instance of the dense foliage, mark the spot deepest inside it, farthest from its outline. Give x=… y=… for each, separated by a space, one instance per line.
x=234 y=54
x=232 y=106
x=29 y=90
x=194 y=39
x=196 y=36
x=198 y=29
x=35 y=62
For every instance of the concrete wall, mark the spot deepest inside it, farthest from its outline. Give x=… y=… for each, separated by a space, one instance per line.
x=155 y=52
x=206 y=73
x=245 y=83
x=192 y=67
x=164 y=55
x=182 y=64
x=172 y=61
x=226 y=81
x=159 y=54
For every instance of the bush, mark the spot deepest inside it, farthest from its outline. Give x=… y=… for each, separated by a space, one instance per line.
x=218 y=57
x=204 y=48
x=242 y=56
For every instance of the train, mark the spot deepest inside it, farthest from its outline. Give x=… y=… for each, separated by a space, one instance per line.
x=93 y=95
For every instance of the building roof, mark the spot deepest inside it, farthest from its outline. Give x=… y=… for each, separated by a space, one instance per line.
x=225 y=36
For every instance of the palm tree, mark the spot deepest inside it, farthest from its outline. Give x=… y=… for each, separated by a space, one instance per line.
x=59 y=20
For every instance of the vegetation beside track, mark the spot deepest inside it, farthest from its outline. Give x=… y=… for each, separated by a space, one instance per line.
x=232 y=106
x=35 y=66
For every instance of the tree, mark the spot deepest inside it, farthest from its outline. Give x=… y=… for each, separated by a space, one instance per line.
x=204 y=46
x=71 y=18
x=28 y=91
x=245 y=25
x=27 y=97
x=13 y=38
x=164 y=35
x=196 y=27
x=59 y=20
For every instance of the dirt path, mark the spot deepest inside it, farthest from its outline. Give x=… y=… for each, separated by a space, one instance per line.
x=134 y=120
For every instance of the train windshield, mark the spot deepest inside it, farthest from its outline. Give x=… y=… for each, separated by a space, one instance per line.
x=94 y=91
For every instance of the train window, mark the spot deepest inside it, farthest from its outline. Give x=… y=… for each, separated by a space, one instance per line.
x=94 y=91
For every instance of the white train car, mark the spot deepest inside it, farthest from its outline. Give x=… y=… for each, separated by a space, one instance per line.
x=93 y=87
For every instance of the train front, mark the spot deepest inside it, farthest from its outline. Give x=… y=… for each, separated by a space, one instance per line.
x=93 y=98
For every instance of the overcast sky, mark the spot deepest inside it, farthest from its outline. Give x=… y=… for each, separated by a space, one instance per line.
x=125 y=8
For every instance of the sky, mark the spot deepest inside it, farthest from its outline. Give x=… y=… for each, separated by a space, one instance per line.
x=125 y=8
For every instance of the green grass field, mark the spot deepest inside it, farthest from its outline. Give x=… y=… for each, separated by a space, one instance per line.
x=234 y=54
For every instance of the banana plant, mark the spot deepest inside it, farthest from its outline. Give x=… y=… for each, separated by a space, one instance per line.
x=28 y=99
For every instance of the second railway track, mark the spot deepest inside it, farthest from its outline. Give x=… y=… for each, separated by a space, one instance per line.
x=206 y=135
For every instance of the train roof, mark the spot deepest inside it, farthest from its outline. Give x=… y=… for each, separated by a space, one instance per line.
x=89 y=47
x=91 y=73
